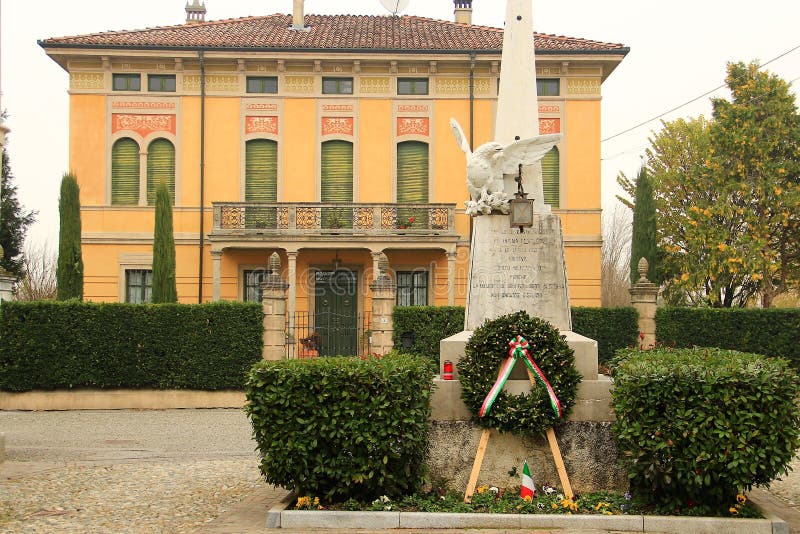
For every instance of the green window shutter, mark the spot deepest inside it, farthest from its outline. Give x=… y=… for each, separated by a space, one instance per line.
x=337 y=171
x=125 y=172
x=412 y=172
x=261 y=171
x=160 y=168
x=550 y=178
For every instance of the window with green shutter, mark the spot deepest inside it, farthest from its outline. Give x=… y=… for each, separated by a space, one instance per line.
x=550 y=178
x=337 y=183
x=160 y=168
x=412 y=183
x=261 y=182
x=125 y=172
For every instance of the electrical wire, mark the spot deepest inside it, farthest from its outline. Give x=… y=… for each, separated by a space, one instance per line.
x=639 y=125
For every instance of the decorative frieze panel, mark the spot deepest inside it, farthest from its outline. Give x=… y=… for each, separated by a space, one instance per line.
x=215 y=83
x=86 y=80
x=338 y=108
x=371 y=85
x=549 y=108
x=460 y=86
x=144 y=125
x=143 y=105
x=583 y=86
x=299 y=84
x=337 y=126
x=413 y=108
x=261 y=107
x=548 y=71
x=268 y=125
x=549 y=126
x=413 y=126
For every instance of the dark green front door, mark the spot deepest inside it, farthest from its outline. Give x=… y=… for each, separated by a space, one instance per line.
x=336 y=312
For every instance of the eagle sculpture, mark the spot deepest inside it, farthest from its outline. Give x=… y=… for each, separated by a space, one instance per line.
x=487 y=165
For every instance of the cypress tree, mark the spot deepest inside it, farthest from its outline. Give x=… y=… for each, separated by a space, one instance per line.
x=69 y=272
x=643 y=243
x=14 y=223
x=164 y=287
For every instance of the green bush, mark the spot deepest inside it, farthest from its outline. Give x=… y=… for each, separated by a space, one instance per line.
x=612 y=328
x=70 y=345
x=341 y=428
x=701 y=424
x=774 y=332
x=427 y=326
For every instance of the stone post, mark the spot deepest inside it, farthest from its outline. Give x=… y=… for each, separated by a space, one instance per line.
x=6 y=282
x=384 y=296
x=273 y=292
x=643 y=297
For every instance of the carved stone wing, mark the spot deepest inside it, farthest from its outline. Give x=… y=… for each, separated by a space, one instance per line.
x=526 y=152
x=461 y=139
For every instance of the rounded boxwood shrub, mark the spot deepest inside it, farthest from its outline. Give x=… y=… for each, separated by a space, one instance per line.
x=699 y=425
x=341 y=428
x=488 y=348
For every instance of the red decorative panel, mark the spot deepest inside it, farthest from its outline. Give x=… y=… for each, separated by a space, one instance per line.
x=413 y=126
x=143 y=124
x=267 y=125
x=549 y=126
x=337 y=125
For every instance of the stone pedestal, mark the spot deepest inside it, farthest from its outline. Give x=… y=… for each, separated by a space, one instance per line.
x=644 y=296
x=273 y=292
x=6 y=286
x=512 y=271
x=384 y=296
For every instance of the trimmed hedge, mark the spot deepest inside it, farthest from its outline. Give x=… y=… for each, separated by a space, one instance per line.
x=340 y=428
x=699 y=425
x=70 y=345
x=774 y=332
x=428 y=326
x=612 y=328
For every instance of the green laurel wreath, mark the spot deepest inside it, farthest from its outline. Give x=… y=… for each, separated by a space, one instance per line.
x=487 y=349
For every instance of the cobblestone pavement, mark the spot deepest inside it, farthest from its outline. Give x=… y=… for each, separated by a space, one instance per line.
x=125 y=471
x=173 y=471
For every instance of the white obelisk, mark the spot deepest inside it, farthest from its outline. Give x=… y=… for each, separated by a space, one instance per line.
x=517 y=103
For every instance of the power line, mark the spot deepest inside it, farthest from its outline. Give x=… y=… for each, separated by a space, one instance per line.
x=694 y=99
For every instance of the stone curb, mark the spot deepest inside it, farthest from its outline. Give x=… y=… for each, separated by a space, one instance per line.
x=279 y=517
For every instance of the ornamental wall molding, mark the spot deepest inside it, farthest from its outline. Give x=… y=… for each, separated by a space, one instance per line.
x=299 y=84
x=583 y=86
x=337 y=125
x=267 y=125
x=144 y=125
x=375 y=85
x=87 y=80
x=413 y=126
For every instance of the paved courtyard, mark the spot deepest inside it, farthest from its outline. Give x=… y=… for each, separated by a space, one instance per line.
x=173 y=471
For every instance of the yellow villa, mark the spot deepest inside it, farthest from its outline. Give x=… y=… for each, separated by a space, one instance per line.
x=322 y=138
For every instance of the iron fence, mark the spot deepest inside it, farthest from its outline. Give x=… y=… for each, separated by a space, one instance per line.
x=311 y=335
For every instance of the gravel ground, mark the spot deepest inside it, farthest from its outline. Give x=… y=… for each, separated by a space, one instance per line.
x=168 y=471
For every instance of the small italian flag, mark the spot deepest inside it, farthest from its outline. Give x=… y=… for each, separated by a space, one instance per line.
x=527 y=489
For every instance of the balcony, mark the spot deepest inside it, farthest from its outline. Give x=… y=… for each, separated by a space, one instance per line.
x=322 y=219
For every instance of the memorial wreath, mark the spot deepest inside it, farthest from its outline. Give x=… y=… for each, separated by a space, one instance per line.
x=497 y=345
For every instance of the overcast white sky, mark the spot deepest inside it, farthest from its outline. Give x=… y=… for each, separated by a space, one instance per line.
x=678 y=52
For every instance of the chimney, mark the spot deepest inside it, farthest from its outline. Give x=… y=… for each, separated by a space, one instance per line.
x=463 y=11
x=195 y=12
x=298 y=17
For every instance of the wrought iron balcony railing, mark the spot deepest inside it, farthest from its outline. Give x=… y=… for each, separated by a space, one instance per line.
x=244 y=218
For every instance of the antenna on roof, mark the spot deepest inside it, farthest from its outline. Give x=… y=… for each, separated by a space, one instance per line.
x=395 y=6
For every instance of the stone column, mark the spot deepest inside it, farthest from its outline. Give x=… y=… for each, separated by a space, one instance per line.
x=451 y=278
x=273 y=291
x=376 y=260
x=6 y=282
x=291 y=275
x=384 y=296
x=643 y=297
x=216 y=270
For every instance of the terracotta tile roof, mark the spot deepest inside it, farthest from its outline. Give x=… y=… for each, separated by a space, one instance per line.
x=328 y=32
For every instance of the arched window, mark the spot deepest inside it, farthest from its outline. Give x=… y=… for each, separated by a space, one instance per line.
x=412 y=172
x=550 y=178
x=337 y=182
x=160 y=168
x=125 y=172
x=261 y=171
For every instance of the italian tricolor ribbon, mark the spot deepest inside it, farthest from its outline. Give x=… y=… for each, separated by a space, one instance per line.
x=519 y=349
